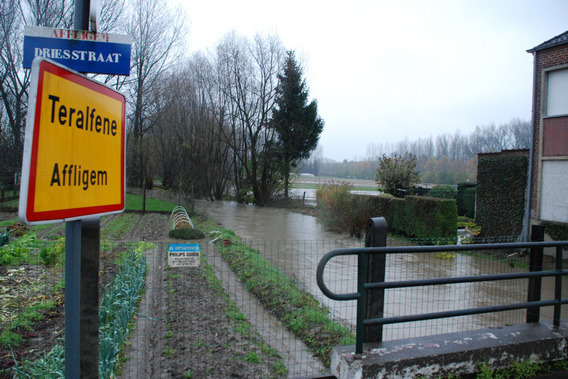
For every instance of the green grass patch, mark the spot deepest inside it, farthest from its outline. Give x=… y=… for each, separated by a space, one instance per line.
x=12 y=334
x=134 y=203
x=6 y=223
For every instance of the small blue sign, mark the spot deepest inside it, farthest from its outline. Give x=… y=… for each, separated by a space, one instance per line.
x=184 y=247
x=98 y=53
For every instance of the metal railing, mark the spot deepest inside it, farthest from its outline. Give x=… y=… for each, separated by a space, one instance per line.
x=532 y=305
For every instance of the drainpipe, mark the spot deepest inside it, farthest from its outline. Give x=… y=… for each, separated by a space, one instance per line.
x=527 y=221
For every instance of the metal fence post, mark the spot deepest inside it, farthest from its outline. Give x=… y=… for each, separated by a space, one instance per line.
x=535 y=264
x=558 y=287
x=376 y=236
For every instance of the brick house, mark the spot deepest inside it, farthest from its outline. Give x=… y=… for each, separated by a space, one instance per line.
x=549 y=151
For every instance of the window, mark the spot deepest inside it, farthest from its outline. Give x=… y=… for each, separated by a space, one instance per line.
x=557 y=96
x=554 y=200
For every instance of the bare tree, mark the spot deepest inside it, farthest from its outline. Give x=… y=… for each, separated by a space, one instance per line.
x=247 y=78
x=14 y=80
x=442 y=145
x=157 y=32
x=520 y=131
x=53 y=13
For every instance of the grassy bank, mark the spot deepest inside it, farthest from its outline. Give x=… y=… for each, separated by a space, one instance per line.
x=297 y=309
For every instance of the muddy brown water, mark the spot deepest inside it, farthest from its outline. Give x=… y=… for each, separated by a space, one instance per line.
x=295 y=243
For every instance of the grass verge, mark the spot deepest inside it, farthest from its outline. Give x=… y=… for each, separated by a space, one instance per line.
x=134 y=203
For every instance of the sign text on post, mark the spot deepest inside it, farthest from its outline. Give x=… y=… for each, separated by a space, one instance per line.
x=74 y=149
x=183 y=255
x=83 y=51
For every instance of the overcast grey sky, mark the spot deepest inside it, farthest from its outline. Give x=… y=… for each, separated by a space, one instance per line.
x=385 y=70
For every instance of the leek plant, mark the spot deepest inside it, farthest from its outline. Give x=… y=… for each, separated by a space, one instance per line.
x=117 y=307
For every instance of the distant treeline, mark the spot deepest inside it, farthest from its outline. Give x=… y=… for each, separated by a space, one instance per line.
x=444 y=159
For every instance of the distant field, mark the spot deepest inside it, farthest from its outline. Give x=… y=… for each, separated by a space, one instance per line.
x=315 y=182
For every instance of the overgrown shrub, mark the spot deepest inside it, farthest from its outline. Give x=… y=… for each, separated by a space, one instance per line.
x=186 y=234
x=397 y=173
x=334 y=202
x=421 y=217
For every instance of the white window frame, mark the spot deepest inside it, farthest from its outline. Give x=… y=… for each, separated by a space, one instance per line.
x=556 y=101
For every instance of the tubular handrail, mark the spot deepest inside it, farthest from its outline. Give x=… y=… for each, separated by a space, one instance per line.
x=363 y=286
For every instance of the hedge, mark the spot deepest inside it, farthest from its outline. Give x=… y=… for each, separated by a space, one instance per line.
x=501 y=192
x=465 y=199
x=413 y=216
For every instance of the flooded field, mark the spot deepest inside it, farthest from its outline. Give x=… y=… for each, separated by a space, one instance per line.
x=295 y=243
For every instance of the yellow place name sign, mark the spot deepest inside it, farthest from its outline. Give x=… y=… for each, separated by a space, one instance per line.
x=74 y=150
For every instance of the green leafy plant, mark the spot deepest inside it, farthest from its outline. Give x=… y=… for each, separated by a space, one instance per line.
x=52 y=365
x=518 y=369
x=4 y=237
x=21 y=250
x=116 y=309
x=253 y=357
x=445 y=255
x=53 y=254
x=472 y=230
x=557 y=231
x=169 y=352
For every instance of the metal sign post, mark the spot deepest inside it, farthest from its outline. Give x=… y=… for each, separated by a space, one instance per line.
x=74 y=170
x=72 y=299
x=73 y=269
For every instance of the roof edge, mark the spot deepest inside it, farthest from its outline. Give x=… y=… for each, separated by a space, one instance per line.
x=560 y=39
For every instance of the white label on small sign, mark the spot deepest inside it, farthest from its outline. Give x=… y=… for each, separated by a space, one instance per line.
x=184 y=255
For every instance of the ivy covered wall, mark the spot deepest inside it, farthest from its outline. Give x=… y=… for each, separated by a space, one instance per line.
x=501 y=192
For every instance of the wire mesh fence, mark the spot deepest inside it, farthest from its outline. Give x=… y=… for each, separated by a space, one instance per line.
x=250 y=308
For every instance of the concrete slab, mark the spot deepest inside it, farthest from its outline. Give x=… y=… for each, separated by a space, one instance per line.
x=453 y=354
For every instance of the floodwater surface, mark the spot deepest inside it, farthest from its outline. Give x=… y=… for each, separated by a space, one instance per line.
x=295 y=243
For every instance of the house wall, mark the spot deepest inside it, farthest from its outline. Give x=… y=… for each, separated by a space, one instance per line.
x=550 y=144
